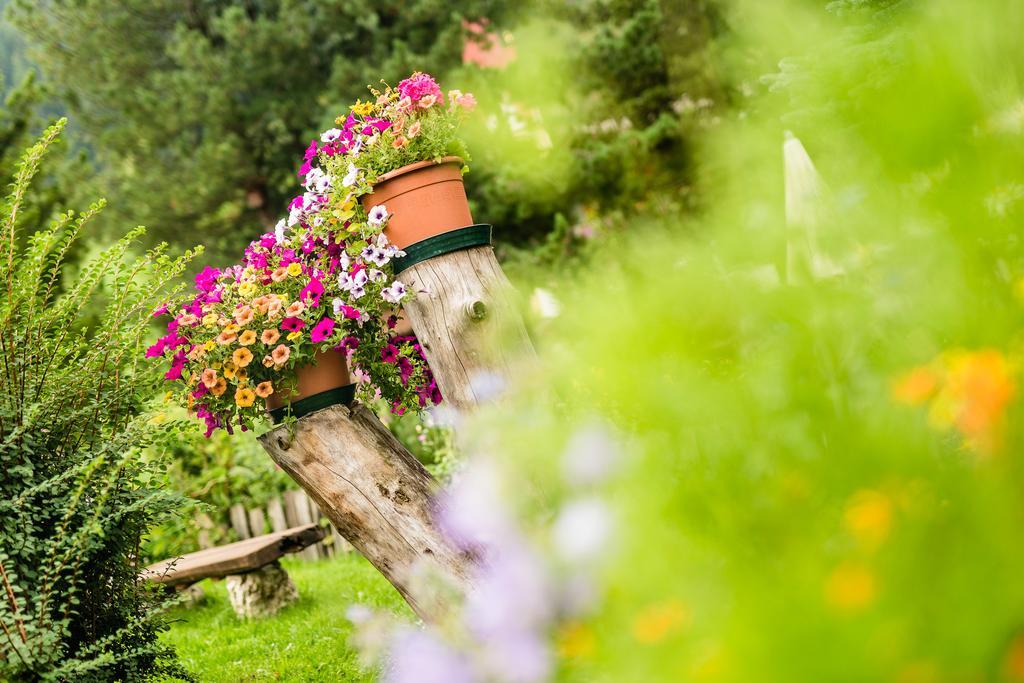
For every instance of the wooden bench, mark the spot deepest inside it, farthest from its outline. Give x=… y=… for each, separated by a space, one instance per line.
x=257 y=584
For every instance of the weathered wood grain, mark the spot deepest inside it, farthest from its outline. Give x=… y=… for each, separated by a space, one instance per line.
x=377 y=495
x=466 y=318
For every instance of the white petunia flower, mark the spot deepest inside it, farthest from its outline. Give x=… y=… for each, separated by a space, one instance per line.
x=377 y=257
x=394 y=293
x=317 y=181
x=351 y=177
x=279 y=231
x=330 y=135
x=377 y=216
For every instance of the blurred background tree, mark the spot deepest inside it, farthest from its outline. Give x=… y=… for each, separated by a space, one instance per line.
x=196 y=112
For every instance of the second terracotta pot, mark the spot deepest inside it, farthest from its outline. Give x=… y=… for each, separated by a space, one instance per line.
x=424 y=199
x=329 y=372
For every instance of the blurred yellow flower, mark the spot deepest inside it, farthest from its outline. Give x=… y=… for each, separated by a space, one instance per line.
x=850 y=587
x=916 y=386
x=868 y=517
x=294 y=269
x=656 y=622
x=1013 y=660
x=968 y=390
x=246 y=338
x=981 y=387
x=292 y=336
x=575 y=640
x=247 y=288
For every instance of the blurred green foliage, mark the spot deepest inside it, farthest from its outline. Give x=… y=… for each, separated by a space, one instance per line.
x=792 y=505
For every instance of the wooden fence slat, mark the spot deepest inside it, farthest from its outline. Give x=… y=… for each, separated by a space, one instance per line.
x=323 y=549
x=257 y=522
x=292 y=507
x=275 y=510
x=240 y=521
x=296 y=507
x=205 y=525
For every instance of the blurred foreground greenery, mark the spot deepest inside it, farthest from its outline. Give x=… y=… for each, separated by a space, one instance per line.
x=819 y=472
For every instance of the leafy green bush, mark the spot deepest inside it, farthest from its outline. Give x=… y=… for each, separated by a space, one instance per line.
x=75 y=497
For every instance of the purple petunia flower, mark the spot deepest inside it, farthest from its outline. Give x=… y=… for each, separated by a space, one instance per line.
x=389 y=354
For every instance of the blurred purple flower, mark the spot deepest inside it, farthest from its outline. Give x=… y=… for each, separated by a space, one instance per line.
x=419 y=657
x=590 y=456
x=487 y=386
x=469 y=512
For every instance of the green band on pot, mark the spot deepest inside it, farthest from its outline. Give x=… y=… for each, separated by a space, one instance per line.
x=478 y=235
x=304 y=406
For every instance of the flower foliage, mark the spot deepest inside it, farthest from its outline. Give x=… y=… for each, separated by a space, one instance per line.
x=322 y=280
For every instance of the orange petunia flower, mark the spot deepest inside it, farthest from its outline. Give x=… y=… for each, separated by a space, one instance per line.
x=220 y=387
x=241 y=357
x=245 y=398
x=209 y=377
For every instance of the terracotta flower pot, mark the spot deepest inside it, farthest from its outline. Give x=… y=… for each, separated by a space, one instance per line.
x=424 y=199
x=330 y=372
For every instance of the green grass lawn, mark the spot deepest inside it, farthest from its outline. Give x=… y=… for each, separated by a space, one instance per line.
x=305 y=642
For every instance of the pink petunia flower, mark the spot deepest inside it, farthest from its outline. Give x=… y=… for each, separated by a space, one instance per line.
x=292 y=324
x=419 y=86
x=322 y=330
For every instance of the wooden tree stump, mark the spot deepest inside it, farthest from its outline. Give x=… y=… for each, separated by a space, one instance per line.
x=261 y=593
x=466 y=319
x=377 y=495
x=372 y=489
